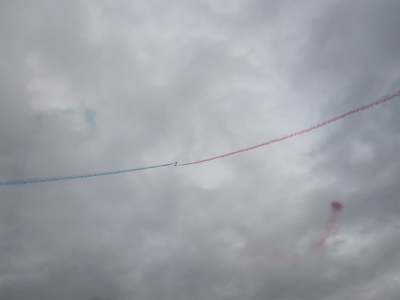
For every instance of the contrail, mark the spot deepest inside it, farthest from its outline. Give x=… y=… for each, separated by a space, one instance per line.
x=57 y=178
x=365 y=107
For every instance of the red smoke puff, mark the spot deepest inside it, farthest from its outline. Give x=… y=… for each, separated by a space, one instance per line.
x=336 y=206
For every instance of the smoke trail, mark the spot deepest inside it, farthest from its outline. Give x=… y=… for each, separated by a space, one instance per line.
x=365 y=107
x=331 y=228
x=57 y=178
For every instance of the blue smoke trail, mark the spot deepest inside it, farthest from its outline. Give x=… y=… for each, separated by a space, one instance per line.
x=57 y=178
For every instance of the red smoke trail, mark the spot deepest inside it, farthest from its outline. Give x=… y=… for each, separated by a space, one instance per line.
x=365 y=107
x=257 y=256
x=331 y=228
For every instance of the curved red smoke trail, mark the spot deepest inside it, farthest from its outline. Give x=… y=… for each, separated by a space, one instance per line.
x=331 y=228
x=357 y=110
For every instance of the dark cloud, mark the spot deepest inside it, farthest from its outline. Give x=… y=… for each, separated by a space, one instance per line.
x=93 y=87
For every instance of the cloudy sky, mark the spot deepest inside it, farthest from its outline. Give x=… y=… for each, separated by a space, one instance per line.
x=97 y=86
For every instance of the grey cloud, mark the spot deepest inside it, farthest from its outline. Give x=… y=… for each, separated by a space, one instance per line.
x=91 y=87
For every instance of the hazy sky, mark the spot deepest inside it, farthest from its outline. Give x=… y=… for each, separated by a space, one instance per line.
x=94 y=86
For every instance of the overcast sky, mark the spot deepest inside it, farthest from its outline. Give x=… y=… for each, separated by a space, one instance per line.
x=94 y=86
